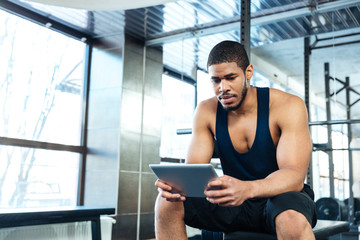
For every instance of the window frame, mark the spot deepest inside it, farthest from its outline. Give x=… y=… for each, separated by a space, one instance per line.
x=57 y=26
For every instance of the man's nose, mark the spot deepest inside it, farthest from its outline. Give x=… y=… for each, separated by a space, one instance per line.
x=224 y=86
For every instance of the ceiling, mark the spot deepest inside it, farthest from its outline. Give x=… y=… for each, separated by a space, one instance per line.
x=188 y=29
x=103 y=5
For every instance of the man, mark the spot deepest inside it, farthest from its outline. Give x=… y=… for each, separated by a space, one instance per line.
x=264 y=147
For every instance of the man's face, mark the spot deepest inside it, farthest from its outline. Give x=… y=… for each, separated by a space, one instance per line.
x=229 y=83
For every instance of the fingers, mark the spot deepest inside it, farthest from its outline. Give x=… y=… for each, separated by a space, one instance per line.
x=165 y=191
x=221 y=191
x=172 y=197
x=217 y=194
x=220 y=182
x=160 y=184
x=226 y=201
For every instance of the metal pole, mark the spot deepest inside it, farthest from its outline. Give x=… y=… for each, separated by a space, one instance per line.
x=245 y=25
x=328 y=118
x=351 y=180
x=82 y=167
x=307 y=52
x=332 y=122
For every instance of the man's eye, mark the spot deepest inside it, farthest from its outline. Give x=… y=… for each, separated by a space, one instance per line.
x=215 y=81
x=230 y=78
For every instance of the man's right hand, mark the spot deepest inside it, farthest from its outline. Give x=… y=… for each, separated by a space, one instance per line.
x=165 y=191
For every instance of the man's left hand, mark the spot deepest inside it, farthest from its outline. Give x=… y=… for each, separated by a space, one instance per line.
x=227 y=191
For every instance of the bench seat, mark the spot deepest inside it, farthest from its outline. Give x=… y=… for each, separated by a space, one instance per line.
x=322 y=230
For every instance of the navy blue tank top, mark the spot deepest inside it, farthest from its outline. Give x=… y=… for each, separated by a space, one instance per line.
x=260 y=160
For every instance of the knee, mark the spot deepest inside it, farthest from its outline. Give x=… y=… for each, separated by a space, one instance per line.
x=166 y=210
x=291 y=223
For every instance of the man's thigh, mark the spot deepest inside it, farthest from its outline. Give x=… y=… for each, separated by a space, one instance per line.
x=202 y=214
x=301 y=202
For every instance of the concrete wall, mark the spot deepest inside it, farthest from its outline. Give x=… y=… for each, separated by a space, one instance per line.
x=102 y=164
x=124 y=134
x=140 y=139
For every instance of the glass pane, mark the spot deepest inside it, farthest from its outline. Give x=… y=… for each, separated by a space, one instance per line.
x=324 y=187
x=178 y=109
x=204 y=86
x=41 y=82
x=37 y=178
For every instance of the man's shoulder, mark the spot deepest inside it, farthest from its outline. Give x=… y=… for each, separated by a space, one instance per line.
x=279 y=98
x=205 y=114
x=209 y=104
x=285 y=107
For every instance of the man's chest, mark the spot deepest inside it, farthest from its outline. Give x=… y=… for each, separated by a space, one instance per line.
x=242 y=132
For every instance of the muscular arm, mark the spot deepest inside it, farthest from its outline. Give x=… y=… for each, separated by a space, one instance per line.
x=293 y=156
x=202 y=142
x=293 y=152
x=201 y=146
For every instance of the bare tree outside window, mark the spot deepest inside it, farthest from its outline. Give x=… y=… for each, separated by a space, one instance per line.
x=41 y=81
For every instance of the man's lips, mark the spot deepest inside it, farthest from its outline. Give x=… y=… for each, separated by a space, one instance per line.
x=226 y=98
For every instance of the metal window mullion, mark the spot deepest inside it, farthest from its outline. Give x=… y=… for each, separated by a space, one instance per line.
x=85 y=108
x=16 y=142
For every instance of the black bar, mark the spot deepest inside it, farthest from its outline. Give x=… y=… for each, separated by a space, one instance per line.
x=340 y=36
x=329 y=130
x=320 y=145
x=332 y=122
x=245 y=25
x=41 y=145
x=353 y=90
x=96 y=229
x=336 y=44
x=39 y=216
x=354 y=102
x=335 y=149
x=173 y=73
x=307 y=52
x=338 y=91
x=183 y=131
x=86 y=88
x=351 y=178
x=339 y=80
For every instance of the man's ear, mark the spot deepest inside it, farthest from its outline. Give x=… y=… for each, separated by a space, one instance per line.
x=249 y=71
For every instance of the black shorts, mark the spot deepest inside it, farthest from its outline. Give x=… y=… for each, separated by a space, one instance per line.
x=255 y=215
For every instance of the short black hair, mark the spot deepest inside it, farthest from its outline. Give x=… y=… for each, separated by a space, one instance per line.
x=229 y=51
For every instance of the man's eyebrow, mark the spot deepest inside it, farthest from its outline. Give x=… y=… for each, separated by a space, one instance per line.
x=230 y=75
x=226 y=76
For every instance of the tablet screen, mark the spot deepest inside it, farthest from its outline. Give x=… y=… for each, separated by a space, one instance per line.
x=187 y=179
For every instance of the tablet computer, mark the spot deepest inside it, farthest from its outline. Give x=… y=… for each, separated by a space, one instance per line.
x=187 y=179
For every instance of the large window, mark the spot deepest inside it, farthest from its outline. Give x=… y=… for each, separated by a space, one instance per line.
x=178 y=109
x=41 y=96
x=204 y=88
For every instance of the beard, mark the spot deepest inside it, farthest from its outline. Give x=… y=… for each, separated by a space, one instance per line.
x=243 y=95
